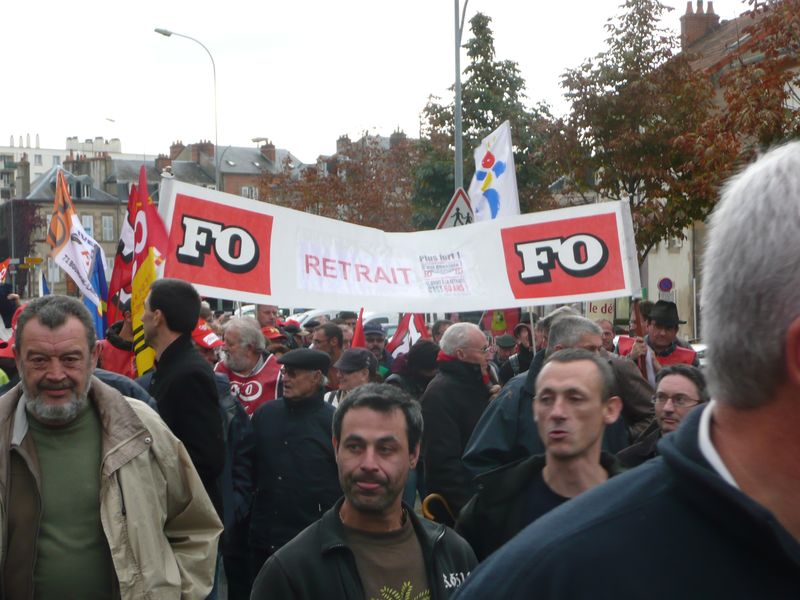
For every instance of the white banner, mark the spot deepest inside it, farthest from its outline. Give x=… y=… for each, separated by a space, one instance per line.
x=241 y=249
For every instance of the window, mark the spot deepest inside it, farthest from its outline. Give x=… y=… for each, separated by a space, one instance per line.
x=109 y=267
x=250 y=191
x=37 y=160
x=108 y=228
x=88 y=224
x=56 y=160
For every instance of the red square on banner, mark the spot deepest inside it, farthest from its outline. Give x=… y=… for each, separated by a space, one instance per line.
x=219 y=245
x=563 y=258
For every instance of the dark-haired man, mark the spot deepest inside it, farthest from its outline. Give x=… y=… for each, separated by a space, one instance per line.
x=328 y=338
x=370 y=545
x=183 y=383
x=99 y=498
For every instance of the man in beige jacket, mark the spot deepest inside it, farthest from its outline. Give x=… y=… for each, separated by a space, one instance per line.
x=145 y=528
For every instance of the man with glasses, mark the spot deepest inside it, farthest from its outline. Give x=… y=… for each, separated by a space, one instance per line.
x=680 y=389
x=451 y=406
x=292 y=462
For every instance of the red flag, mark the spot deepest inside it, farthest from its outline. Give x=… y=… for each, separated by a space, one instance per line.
x=119 y=288
x=4 y=269
x=359 y=341
x=410 y=329
x=155 y=234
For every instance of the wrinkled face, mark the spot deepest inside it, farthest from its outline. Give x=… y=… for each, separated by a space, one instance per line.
x=608 y=335
x=374 y=459
x=267 y=315
x=239 y=357
x=375 y=344
x=674 y=389
x=568 y=409
x=56 y=366
x=503 y=354
x=661 y=336
x=322 y=342
x=300 y=383
x=353 y=379
x=476 y=349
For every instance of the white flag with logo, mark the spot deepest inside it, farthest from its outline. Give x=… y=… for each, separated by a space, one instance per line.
x=493 y=190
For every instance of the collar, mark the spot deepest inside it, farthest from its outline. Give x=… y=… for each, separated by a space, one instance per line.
x=707 y=447
x=180 y=345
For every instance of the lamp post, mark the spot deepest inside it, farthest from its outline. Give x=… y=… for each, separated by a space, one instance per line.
x=168 y=33
x=457 y=137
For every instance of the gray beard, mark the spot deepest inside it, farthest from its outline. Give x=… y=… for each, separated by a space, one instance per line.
x=60 y=414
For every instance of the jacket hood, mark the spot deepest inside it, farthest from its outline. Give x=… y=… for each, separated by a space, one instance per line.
x=112 y=335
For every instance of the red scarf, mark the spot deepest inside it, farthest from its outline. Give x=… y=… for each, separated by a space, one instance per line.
x=443 y=357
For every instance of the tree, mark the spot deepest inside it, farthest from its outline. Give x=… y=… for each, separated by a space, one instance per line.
x=638 y=130
x=366 y=183
x=493 y=91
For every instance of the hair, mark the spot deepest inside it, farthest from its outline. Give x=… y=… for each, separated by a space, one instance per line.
x=422 y=356
x=249 y=332
x=568 y=355
x=457 y=336
x=436 y=328
x=383 y=398
x=205 y=311
x=52 y=312
x=332 y=330
x=749 y=286
x=178 y=301
x=567 y=331
x=691 y=373
x=546 y=322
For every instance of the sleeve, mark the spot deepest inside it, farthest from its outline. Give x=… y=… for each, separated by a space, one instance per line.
x=636 y=394
x=272 y=582
x=466 y=525
x=243 y=451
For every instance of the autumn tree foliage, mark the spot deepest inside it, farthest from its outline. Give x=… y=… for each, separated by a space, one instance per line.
x=366 y=184
x=492 y=91
x=637 y=130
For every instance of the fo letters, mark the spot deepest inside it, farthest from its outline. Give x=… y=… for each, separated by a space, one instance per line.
x=234 y=248
x=579 y=255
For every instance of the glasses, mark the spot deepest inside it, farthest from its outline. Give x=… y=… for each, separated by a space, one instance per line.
x=293 y=372
x=678 y=400
x=483 y=350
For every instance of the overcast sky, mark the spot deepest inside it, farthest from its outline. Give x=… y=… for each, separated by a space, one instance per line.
x=299 y=73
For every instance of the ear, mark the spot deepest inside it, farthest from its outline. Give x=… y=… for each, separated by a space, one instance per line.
x=792 y=351
x=95 y=354
x=335 y=443
x=612 y=409
x=414 y=456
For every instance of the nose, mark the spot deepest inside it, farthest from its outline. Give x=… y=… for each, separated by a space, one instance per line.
x=55 y=370
x=669 y=407
x=558 y=412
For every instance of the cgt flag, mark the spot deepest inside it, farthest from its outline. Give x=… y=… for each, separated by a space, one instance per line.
x=119 y=288
x=410 y=329
x=4 y=269
x=149 y=249
x=493 y=190
x=70 y=246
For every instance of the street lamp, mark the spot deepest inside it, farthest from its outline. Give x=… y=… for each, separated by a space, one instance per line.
x=168 y=33
x=457 y=138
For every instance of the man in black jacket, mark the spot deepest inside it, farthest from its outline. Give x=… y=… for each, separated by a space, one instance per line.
x=572 y=407
x=716 y=514
x=451 y=405
x=292 y=458
x=183 y=383
x=370 y=544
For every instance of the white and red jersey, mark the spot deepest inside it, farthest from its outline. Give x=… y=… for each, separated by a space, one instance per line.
x=257 y=387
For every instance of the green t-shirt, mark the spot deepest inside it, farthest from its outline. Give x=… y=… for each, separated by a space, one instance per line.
x=390 y=565
x=73 y=559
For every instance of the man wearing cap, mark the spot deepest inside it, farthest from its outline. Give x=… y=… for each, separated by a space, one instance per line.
x=293 y=464
x=660 y=345
x=375 y=338
x=356 y=367
x=252 y=372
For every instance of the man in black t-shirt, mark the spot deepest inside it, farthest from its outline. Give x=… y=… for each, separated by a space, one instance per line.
x=572 y=407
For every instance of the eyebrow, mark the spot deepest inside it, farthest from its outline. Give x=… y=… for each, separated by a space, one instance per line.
x=353 y=437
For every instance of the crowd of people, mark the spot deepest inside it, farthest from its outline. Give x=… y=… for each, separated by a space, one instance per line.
x=563 y=459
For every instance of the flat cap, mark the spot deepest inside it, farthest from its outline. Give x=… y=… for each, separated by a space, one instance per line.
x=355 y=359
x=306 y=358
x=505 y=341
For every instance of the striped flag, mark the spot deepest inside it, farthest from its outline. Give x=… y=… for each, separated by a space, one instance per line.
x=70 y=246
x=410 y=329
x=149 y=250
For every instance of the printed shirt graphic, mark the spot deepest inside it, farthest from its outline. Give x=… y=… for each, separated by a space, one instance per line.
x=254 y=389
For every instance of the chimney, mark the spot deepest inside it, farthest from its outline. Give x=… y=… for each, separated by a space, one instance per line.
x=695 y=24
x=23 y=183
x=175 y=150
x=268 y=151
x=162 y=162
x=202 y=147
x=342 y=144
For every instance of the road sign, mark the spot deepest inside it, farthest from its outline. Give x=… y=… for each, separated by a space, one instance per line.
x=458 y=212
x=33 y=260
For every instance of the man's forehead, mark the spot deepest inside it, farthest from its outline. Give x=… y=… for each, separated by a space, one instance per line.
x=368 y=423
x=563 y=375
x=70 y=335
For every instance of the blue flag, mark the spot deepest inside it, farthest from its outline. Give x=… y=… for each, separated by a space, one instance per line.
x=44 y=289
x=100 y=287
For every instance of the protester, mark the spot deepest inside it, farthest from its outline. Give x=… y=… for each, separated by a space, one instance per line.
x=183 y=383
x=572 y=407
x=608 y=335
x=292 y=464
x=716 y=514
x=100 y=499
x=519 y=362
x=253 y=374
x=451 y=405
x=375 y=338
x=370 y=545
x=681 y=388
x=116 y=350
x=438 y=328
x=356 y=367
x=506 y=345
x=328 y=338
